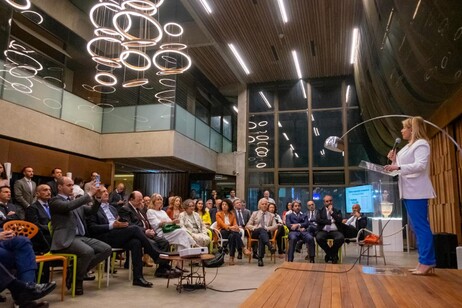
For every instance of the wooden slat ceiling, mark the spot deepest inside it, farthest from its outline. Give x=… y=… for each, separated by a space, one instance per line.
x=254 y=26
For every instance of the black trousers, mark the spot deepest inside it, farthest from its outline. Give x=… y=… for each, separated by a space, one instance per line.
x=263 y=240
x=234 y=241
x=322 y=237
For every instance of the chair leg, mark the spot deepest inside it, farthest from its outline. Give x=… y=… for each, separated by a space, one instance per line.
x=74 y=275
x=63 y=284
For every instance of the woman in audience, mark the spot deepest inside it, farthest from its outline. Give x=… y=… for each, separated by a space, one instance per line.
x=174 y=208
x=193 y=223
x=203 y=213
x=281 y=231
x=287 y=211
x=3 y=178
x=227 y=225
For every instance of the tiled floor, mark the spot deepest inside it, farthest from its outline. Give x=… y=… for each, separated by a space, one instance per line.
x=241 y=276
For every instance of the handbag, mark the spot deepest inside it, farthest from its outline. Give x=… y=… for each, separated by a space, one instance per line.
x=372 y=239
x=169 y=228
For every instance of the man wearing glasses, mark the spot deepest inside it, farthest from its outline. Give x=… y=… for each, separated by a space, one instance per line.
x=328 y=218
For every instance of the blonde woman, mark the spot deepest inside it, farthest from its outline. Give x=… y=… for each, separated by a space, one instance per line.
x=174 y=208
x=159 y=219
x=194 y=224
x=415 y=188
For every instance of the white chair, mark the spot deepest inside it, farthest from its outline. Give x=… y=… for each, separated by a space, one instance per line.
x=221 y=240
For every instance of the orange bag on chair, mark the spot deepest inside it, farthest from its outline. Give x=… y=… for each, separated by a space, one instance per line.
x=372 y=239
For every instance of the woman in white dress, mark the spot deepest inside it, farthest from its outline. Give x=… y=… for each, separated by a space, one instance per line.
x=158 y=218
x=194 y=224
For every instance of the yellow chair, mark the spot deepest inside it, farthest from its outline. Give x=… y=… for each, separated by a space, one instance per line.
x=29 y=230
x=254 y=240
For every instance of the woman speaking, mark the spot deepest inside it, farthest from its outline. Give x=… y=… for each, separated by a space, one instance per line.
x=415 y=188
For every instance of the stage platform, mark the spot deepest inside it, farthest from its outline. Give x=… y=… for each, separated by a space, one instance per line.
x=314 y=285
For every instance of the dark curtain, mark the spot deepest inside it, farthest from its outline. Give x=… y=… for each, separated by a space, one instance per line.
x=162 y=183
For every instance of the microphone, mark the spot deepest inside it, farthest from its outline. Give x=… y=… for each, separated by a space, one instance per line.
x=397 y=141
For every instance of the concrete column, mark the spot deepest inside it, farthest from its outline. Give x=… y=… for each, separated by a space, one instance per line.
x=242 y=139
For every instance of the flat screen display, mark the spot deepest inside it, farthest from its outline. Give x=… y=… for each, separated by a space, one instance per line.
x=363 y=195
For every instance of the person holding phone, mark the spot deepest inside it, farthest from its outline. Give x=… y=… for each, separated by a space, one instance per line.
x=415 y=188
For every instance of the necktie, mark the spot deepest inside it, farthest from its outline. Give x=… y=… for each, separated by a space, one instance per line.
x=239 y=216
x=263 y=224
x=80 y=229
x=143 y=219
x=29 y=182
x=47 y=209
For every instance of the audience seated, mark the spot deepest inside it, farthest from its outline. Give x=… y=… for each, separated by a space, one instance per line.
x=227 y=226
x=7 y=209
x=194 y=224
x=287 y=211
x=38 y=213
x=298 y=224
x=131 y=213
x=261 y=223
x=175 y=208
x=203 y=213
x=117 y=196
x=3 y=177
x=242 y=214
x=329 y=222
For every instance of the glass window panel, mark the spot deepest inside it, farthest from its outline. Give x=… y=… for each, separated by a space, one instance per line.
x=215 y=123
x=252 y=199
x=121 y=119
x=287 y=178
x=153 y=117
x=289 y=194
x=261 y=178
x=185 y=122
x=295 y=127
x=261 y=99
x=292 y=97
x=350 y=94
x=81 y=112
x=328 y=177
x=227 y=127
x=261 y=141
x=357 y=177
x=326 y=93
x=227 y=146
x=326 y=123
x=216 y=141
x=201 y=110
x=337 y=193
x=202 y=133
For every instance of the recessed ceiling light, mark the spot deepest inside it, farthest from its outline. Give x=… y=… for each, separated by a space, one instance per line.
x=265 y=99
x=285 y=136
x=206 y=6
x=279 y=124
x=292 y=147
x=235 y=109
x=302 y=85
x=347 y=95
x=297 y=64
x=296 y=155
x=354 y=46
x=282 y=8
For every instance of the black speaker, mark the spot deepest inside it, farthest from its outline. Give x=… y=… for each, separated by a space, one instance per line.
x=445 y=249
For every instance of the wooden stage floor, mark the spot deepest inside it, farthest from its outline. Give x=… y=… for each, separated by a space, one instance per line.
x=291 y=286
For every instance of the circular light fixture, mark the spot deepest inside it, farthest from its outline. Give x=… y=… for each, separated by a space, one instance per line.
x=87 y=87
x=171 y=70
x=108 y=31
x=21 y=88
x=173 y=24
x=126 y=53
x=112 y=79
x=108 y=39
x=102 y=105
x=99 y=88
x=168 y=82
x=112 y=63
x=148 y=18
x=107 y=5
x=165 y=94
x=24 y=6
x=135 y=82
x=40 y=18
x=260 y=165
x=12 y=72
x=47 y=99
x=140 y=5
x=175 y=46
x=38 y=68
x=52 y=86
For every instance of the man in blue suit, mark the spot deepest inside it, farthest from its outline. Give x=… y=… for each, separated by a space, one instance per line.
x=298 y=230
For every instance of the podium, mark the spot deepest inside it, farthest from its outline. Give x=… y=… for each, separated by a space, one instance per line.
x=387 y=227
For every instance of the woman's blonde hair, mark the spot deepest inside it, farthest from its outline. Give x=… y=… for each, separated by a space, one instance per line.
x=417 y=125
x=154 y=197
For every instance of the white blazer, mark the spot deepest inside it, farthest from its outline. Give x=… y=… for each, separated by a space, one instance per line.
x=414 y=179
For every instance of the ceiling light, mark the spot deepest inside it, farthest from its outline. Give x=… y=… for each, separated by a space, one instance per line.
x=347 y=95
x=312 y=118
x=25 y=6
x=297 y=64
x=285 y=136
x=316 y=131
x=292 y=147
x=239 y=58
x=235 y=109
x=302 y=85
x=206 y=6
x=279 y=124
x=354 y=45
x=265 y=99
x=296 y=155
x=416 y=10
x=225 y=121
x=282 y=8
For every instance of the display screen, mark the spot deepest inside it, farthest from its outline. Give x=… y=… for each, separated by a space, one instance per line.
x=363 y=195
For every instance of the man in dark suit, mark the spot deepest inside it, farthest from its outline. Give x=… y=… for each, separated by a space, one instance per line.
x=297 y=223
x=106 y=226
x=69 y=229
x=117 y=196
x=7 y=209
x=38 y=213
x=356 y=222
x=133 y=214
x=24 y=191
x=56 y=173
x=242 y=214
x=329 y=222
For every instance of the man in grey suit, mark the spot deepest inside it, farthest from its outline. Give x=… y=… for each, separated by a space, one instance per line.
x=24 y=191
x=69 y=228
x=242 y=214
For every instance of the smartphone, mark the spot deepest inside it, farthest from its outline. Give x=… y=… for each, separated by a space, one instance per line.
x=97 y=181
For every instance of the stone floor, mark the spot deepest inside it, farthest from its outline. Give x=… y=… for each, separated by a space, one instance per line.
x=226 y=278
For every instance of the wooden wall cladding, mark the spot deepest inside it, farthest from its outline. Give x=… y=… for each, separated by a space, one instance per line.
x=45 y=160
x=445 y=209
